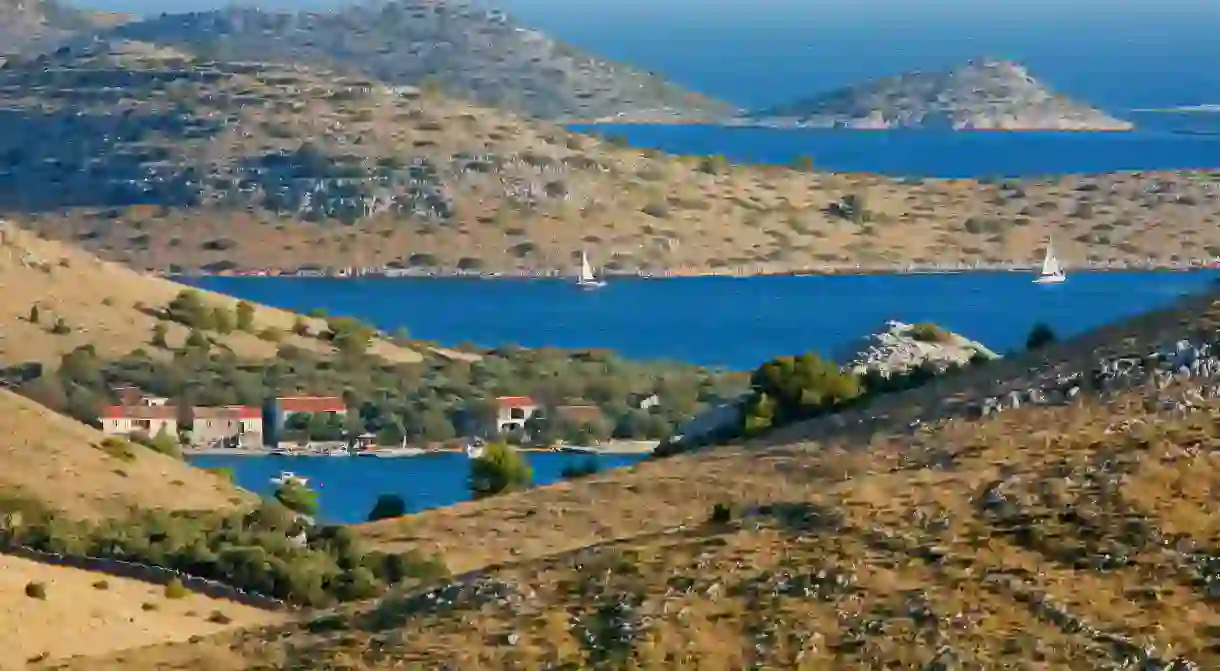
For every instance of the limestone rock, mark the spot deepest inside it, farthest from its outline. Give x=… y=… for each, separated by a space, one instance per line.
x=899 y=348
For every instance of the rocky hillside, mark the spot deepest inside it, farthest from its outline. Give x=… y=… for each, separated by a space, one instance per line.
x=981 y=95
x=1076 y=533
x=168 y=160
x=471 y=52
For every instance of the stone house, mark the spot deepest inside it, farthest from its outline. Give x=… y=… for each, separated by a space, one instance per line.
x=123 y=420
x=280 y=409
x=510 y=413
x=231 y=426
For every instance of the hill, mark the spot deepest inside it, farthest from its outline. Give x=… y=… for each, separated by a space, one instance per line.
x=34 y=25
x=468 y=51
x=69 y=467
x=1074 y=534
x=88 y=614
x=81 y=300
x=980 y=95
x=169 y=161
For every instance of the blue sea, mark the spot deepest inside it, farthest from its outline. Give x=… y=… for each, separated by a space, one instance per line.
x=946 y=154
x=736 y=323
x=348 y=487
x=1118 y=57
x=722 y=321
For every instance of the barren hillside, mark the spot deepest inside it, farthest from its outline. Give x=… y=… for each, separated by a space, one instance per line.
x=168 y=160
x=70 y=467
x=81 y=300
x=89 y=614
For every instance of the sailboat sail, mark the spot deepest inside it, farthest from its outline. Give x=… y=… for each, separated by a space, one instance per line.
x=586 y=271
x=1050 y=264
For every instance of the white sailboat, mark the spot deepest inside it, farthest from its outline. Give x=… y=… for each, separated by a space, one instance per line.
x=1052 y=272
x=587 y=279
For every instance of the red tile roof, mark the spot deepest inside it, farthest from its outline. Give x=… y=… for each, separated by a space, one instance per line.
x=311 y=404
x=229 y=412
x=139 y=412
x=515 y=402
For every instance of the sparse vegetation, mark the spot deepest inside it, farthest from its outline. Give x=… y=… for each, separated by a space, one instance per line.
x=499 y=470
x=36 y=590
x=297 y=498
x=265 y=550
x=930 y=333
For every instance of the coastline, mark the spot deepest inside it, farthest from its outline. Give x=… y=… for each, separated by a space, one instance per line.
x=618 y=447
x=841 y=126
x=738 y=272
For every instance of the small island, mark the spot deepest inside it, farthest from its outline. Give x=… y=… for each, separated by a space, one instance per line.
x=980 y=95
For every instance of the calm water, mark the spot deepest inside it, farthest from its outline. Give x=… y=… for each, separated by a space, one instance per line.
x=733 y=322
x=348 y=487
x=938 y=153
x=723 y=321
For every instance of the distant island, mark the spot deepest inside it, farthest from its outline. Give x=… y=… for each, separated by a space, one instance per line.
x=980 y=95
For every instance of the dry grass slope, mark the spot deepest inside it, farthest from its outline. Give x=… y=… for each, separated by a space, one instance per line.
x=1073 y=545
x=1074 y=536
x=64 y=464
x=80 y=617
x=406 y=178
x=106 y=305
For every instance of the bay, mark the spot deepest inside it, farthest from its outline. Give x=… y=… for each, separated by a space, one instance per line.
x=734 y=322
x=347 y=487
x=723 y=321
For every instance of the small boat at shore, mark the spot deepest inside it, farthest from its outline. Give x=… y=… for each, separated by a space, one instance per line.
x=577 y=449
x=396 y=452
x=475 y=449
x=339 y=452
x=288 y=477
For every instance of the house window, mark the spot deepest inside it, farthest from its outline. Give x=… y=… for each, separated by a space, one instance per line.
x=516 y=413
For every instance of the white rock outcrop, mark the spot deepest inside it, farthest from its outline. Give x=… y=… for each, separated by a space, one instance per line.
x=899 y=348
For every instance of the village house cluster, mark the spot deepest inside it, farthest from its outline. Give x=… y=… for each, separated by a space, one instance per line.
x=234 y=426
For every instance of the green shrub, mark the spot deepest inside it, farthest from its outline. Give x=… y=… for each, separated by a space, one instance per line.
x=297 y=498
x=256 y=550
x=224 y=473
x=36 y=590
x=931 y=333
x=387 y=506
x=245 y=316
x=1040 y=336
x=500 y=469
x=792 y=388
x=174 y=589
x=118 y=448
